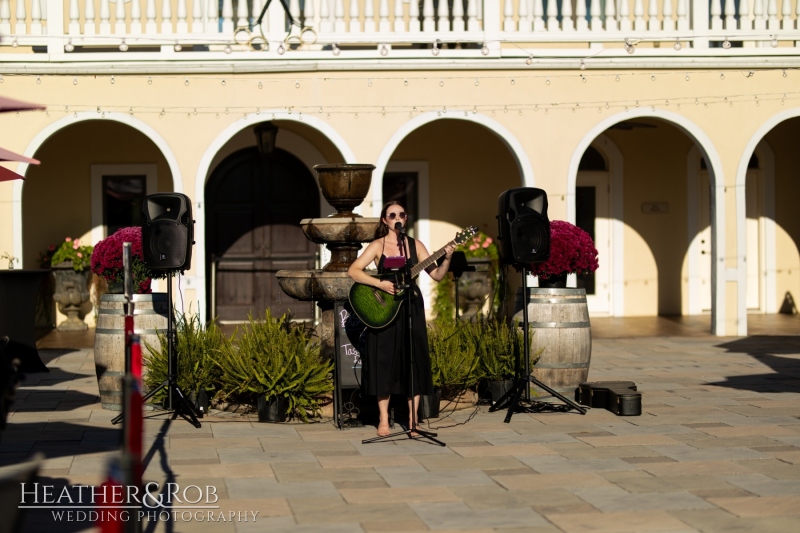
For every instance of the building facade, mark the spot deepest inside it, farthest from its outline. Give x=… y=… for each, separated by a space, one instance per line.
x=667 y=129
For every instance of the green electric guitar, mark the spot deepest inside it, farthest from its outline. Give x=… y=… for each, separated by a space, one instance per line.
x=377 y=308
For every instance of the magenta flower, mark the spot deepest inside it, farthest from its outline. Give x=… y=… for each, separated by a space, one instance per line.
x=571 y=251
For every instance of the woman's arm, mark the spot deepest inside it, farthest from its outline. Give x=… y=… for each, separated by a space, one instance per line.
x=436 y=273
x=356 y=270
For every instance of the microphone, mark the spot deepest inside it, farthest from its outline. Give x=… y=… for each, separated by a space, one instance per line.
x=399 y=227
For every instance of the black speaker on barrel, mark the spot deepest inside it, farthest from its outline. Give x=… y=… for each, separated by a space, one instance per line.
x=167 y=231
x=523 y=226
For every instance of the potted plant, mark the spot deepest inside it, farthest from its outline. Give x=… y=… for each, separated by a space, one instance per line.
x=572 y=251
x=151 y=310
x=498 y=347
x=277 y=365
x=196 y=347
x=475 y=286
x=70 y=262
x=454 y=359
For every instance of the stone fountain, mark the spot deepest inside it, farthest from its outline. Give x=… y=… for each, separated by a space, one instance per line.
x=344 y=186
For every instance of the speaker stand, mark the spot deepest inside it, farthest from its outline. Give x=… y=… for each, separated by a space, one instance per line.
x=523 y=380
x=176 y=399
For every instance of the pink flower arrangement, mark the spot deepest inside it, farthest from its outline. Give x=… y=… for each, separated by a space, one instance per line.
x=481 y=245
x=107 y=259
x=70 y=250
x=572 y=251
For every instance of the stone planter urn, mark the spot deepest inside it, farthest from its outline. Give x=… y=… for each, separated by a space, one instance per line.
x=475 y=288
x=72 y=291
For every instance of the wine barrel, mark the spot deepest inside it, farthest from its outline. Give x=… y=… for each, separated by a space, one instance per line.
x=559 y=321
x=150 y=317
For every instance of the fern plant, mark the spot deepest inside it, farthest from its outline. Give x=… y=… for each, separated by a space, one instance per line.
x=196 y=348
x=275 y=358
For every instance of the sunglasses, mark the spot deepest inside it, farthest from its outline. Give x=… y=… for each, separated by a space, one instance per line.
x=401 y=215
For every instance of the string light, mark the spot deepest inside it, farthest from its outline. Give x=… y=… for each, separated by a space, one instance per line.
x=583 y=65
x=281 y=50
x=726 y=44
x=112 y=80
x=123 y=46
x=384 y=50
x=227 y=49
x=529 y=61
x=177 y=47
x=335 y=50
x=484 y=50
x=677 y=46
x=435 y=49
x=774 y=42
x=69 y=47
x=14 y=42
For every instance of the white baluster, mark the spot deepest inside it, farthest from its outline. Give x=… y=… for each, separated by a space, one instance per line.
x=150 y=25
x=797 y=14
x=355 y=24
x=552 y=16
x=473 y=24
x=759 y=15
x=119 y=14
x=610 y=16
x=683 y=15
x=309 y=15
x=653 y=24
x=89 y=27
x=197 y=16
x=786 y=16
x=136 y=17
x=428 y=22
x=105 y=18
x=442 y=19
x=525 y=16
x=325 y=16
x=772 y=12
x=212 y=16
x=508 y=15
x=241 y=12
x=580 y=15
x=730 y=15
x=596 y=16
x=716 y=14
x=338 y=13
x=384 y=25
x=538 y=16
x=399 y=16
x=459 y=24
x=181 y=14
x=744 y=16
x=5 y=17
x=294 y=9
x=567 y=22
x=166 y=16
x=74 y=17
x=669 y=24
x=625 y=16
x=414 y=24
x=20 y=28
x=36 y=17
x=369 y=16
x=227 y=15
x=638 y=15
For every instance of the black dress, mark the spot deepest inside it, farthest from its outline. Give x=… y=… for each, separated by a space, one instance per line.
x=385 y=363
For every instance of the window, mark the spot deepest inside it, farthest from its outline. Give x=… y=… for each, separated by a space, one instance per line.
x=118 y=192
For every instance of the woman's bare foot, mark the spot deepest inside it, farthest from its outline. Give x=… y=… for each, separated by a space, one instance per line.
x=412 y=430
x=383 y=430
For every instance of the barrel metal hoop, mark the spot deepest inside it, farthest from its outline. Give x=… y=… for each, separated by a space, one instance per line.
x=559 y=324
x=109 y=311
x=562 y=365
x=557 y=301
x=120 y=331
x=539 y=291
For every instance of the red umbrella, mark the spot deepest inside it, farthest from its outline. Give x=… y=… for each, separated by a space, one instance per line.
x=8 y=175
x=9 y=104
x=8 y=155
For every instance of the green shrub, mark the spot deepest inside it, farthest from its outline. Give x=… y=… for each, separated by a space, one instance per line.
x=454 y=360
x=498 y=346
x=196 y=348
x=273 y=357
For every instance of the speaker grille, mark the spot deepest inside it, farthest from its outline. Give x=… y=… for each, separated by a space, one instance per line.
x=530 y=239
x=165 y=245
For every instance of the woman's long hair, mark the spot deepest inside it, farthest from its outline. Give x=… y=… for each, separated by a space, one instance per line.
x=382 y=230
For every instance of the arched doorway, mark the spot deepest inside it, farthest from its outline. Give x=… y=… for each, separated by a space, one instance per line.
x=254 y=203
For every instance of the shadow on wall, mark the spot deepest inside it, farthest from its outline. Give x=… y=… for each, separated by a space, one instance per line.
x=785 y=375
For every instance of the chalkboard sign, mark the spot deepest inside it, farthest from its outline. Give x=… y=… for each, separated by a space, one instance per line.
x=348 y=330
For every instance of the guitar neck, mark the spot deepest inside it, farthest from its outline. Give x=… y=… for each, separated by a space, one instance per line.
x=422 y=265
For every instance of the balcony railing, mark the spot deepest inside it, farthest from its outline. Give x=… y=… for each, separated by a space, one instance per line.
x=378 y=28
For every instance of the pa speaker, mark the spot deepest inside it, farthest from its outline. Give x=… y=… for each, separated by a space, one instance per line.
x=523 y=226
x=167 y=232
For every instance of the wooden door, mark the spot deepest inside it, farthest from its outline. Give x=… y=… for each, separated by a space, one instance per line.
x=254 y=205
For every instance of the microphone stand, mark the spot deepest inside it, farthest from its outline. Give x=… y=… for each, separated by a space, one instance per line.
x=408 y=286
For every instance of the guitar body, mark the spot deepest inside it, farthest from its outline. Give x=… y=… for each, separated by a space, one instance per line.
x=376 y=308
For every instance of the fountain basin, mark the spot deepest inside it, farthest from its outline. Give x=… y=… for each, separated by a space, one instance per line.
x=307 y=285
x=353 y=229
x=344 y=186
